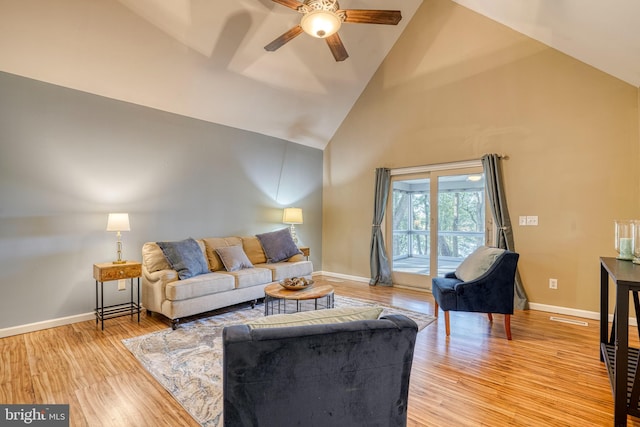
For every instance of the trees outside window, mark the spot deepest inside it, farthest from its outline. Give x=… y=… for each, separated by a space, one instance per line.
x=450 y=202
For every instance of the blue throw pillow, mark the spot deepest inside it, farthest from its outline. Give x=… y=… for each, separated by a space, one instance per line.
x=185 y=257
x=278 y=245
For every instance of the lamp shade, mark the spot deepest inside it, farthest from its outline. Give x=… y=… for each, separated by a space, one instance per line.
x=292 y=216
x=118 y=222
x=320 y=23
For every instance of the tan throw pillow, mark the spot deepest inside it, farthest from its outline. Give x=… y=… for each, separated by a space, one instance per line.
x=318 y=317
x=253 y=249
x=234 y=258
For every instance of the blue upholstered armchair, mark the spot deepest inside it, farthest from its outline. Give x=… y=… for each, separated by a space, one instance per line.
x=352 y=374
x=491 y=292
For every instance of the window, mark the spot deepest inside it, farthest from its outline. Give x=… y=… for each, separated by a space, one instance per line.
x=443 y=209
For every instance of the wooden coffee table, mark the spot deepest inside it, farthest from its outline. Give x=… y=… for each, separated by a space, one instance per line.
x=316 y=296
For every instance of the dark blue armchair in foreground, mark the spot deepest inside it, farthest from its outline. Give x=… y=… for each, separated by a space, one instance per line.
x=352 y=374
x=491 y=292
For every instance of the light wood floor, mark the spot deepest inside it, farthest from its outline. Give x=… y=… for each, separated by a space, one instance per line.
x=550 y=374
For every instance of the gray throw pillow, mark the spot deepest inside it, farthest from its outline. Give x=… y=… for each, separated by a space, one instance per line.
x=185 y=257
x=234 y=258
x=278 y=245
x=476 y=264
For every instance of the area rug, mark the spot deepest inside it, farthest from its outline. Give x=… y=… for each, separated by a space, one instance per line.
x=188 y=361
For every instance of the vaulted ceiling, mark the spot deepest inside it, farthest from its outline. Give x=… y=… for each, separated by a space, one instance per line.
x=205 y=58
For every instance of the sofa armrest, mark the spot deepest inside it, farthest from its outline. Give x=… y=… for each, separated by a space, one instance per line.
x=153 y=287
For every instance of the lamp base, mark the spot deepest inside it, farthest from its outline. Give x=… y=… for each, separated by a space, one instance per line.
x=120 y=262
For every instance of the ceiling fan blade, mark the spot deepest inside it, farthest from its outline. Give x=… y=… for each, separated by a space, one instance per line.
x=285 y=38
x=293 y=4
x=337 y=48
x=363 y=16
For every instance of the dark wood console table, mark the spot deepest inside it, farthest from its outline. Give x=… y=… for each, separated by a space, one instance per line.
x=620 y=359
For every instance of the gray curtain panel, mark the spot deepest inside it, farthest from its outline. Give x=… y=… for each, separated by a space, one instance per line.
x=504 y=232
x=380 y=270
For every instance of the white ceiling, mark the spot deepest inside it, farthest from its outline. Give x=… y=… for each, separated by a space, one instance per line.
x=205 y=58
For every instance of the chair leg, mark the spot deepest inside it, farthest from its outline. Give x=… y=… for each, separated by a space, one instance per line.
x=490 y=317
x=446 y=322
x=507 y=325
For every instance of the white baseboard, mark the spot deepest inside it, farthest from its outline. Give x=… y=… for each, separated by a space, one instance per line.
x=342 y=276
x=46 y=324
x=594 y=315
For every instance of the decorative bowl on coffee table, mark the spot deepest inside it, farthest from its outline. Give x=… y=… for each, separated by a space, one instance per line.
x=296 y=283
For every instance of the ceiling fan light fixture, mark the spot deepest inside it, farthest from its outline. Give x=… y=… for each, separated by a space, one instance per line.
x=321 y=23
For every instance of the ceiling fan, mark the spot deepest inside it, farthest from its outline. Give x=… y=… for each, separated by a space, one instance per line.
x=323 y=18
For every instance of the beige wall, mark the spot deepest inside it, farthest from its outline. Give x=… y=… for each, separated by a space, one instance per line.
x=458 y=85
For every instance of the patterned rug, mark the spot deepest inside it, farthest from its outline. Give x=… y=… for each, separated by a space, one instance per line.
x=188 y=361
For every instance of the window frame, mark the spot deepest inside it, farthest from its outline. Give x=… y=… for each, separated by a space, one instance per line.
x=433 y=173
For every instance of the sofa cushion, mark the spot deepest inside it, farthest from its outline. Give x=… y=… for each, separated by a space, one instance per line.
x=250 y=277
x=186 y=257
x=253 y=249
x=284 y=270
x=153 y=258
x=212 y=243
x=317 y=317
x=278 y=245
x=197 y=286
x=476 y=264
x=233 y=258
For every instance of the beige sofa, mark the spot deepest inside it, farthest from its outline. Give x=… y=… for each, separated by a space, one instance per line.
x=164 y=293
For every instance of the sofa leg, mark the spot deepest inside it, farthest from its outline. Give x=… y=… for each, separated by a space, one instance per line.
x=174 y=323
x=149 y=313
x=253 y=303
x=446 y=323
x=507 y=325
x=490 y=317
x=436 y=310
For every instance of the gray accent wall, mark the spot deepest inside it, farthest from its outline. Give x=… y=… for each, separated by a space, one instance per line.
x=68 y=158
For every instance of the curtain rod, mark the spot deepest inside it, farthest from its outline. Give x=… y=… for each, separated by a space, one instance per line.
x=440 y=166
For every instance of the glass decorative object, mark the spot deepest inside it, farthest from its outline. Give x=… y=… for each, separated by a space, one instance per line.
x=624 y=239
x=635 y=231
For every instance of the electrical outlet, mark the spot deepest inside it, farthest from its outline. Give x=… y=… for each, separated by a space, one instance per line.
x=553 y=283
x=522 y=220
x=532 y=220
x=122 y=285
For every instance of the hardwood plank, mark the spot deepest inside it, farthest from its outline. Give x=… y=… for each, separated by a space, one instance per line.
x=550 y=374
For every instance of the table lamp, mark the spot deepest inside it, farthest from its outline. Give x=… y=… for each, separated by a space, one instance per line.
x=292 y=216
x=118 y=222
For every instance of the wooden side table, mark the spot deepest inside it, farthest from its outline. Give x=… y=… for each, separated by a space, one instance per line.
x=107 y=272
x=305 y=252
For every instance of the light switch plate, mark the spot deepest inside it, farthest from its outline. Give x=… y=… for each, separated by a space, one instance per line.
x=532 y=220
x=522 y=220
